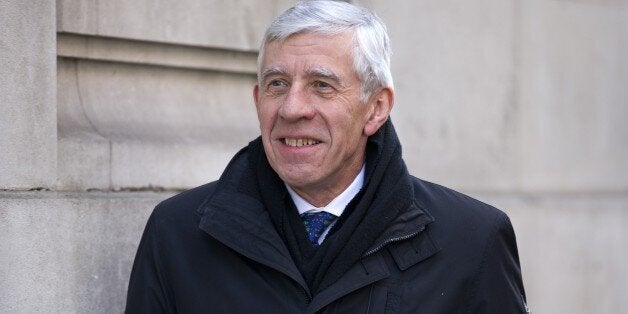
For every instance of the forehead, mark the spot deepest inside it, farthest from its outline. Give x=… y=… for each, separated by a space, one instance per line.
x=310 y=50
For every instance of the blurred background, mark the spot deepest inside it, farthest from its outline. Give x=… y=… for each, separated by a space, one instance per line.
x=108 y=107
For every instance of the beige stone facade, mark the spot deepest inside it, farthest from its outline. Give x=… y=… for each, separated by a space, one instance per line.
x=108 y=107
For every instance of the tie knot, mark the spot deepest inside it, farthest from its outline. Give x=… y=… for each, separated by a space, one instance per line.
x=315 y=224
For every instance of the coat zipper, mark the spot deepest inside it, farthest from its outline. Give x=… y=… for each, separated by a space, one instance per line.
x=391 y=240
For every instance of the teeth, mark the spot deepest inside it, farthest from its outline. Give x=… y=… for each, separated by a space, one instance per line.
x=297 y=142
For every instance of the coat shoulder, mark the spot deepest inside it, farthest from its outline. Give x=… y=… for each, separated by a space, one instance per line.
x=462 y=223
x=185 y=203
x=445 y=202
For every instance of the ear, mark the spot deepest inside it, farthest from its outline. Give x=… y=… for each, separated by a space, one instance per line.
x=256 y=95
x=381 y=104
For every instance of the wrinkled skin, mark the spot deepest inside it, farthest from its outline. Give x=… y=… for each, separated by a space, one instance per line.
x=314 y=126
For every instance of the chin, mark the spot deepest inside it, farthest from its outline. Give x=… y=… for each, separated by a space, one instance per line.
x=299 y=179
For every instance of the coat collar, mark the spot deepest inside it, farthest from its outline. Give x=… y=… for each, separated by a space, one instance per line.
x=239 y=220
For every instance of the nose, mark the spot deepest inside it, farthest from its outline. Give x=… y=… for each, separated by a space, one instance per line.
x=297 y=105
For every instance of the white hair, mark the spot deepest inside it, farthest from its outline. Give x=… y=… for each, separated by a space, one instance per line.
x=371 y=54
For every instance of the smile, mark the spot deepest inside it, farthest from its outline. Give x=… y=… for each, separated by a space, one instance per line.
x=298 y=142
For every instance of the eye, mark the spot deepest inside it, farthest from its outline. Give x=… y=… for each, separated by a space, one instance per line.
x=277 y=83
x=323 y=86
x=276 y=86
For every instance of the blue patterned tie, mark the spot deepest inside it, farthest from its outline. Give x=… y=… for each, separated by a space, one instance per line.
x=315 y=224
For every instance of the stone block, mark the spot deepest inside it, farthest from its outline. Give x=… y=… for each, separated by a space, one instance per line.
x=159 y=54
x=143 y=126
x=573 y=95
x=27 y=95
x=236 y=24
x=69 y=253
x=154 y=165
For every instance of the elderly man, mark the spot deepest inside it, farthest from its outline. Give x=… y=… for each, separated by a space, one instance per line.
x=319 y=214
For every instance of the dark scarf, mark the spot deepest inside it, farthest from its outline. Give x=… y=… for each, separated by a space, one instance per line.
x=386 y=192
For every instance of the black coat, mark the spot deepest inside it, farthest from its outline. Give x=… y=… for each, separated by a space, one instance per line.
x=214 y=249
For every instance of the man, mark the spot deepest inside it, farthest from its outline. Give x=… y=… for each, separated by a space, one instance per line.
x=319 y=214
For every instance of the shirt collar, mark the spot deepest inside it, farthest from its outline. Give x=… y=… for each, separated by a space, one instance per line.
x=337 y=205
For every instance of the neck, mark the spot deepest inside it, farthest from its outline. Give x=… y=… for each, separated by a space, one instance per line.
x=322 y=196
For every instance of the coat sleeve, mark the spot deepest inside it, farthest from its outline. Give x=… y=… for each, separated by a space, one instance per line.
x=498 y=287
x=148 y=289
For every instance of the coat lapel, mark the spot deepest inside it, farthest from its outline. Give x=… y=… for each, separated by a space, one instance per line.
x=368 y=271
x=241 y=223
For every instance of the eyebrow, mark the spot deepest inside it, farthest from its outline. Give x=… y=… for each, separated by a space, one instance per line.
x=324 y=73
x=270 y=72
x=316 y=72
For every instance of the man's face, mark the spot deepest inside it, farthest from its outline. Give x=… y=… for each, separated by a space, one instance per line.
x=311 y=118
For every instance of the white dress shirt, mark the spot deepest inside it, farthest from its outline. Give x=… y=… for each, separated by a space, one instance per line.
x=335 y=207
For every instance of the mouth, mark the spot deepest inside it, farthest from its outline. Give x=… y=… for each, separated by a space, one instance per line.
x=298 y=142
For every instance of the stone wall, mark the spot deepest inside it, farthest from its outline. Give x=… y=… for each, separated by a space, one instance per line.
x=109 y=107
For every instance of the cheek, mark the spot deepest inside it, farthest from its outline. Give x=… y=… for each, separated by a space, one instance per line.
x=346 y=131
x=266 y=117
